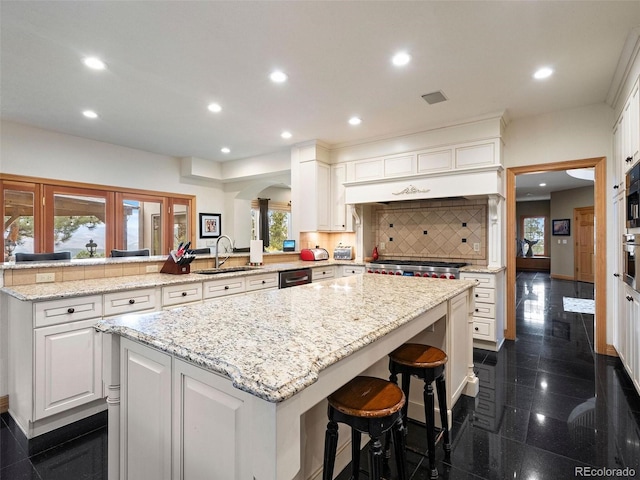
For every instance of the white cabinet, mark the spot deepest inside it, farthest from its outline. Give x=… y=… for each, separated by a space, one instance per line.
x=340 y=221
x=223 y=287
x=145 y=435
x=347 y=270
x=626 y=137
x=628 y=333
x=322 y=273
x=315 y=182
x=68 y=367
x=266 y=281
x=132 y=301
x=488 y=317
x=54 y=362
x=179 y=421
x=174 y=295
x=211 y=426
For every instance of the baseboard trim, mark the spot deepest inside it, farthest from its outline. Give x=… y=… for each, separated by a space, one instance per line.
x=611 y=351
x=562 y=277
x=4 y=404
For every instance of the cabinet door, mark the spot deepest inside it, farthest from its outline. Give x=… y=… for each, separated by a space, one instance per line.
x=338 y=207
x=315 y=181
x=68 y=368
x=145 y=417
x=211 y=426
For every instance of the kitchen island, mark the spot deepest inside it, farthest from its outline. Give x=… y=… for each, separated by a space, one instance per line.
x=235 y=388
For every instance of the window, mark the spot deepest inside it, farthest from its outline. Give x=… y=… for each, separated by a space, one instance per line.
x=534 y=233
x=50 y=216
x=279 y=224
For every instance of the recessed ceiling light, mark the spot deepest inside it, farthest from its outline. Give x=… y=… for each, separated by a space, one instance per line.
x=278 y=76
x=90 y=114
x=94 y=63
x=214 y=107
x=225 y=150
x=286 y=134
x=355 y=121
x=400 y=59
x=542 y=73
x=543 y=184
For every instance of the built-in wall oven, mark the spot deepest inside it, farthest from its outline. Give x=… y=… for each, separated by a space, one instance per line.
x=630 y=251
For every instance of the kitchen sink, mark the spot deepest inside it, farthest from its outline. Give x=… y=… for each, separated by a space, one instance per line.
x=216 y=271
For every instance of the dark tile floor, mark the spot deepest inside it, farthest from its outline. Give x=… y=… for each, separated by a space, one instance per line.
x=547 y=405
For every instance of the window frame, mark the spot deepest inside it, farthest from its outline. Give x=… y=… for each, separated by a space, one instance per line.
x=45 y=189
x=545 y=236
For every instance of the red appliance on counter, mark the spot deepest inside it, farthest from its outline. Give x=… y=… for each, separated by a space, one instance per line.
x=313 y=254
x=416 y=268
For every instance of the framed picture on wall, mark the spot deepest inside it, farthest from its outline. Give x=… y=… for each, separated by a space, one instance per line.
x=210 y=225
x=561 y=227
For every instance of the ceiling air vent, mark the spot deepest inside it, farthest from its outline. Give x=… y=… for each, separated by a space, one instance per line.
x=434 y=97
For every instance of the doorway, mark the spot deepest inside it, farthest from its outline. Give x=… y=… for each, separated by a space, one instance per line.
x=600 y=242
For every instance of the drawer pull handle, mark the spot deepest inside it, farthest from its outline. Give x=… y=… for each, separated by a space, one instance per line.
x=629 y=298
x=184 y=294
x=226 y=287
x=476 y=329
x=477 y=295
x=132 y=301
x=71 y=310
x=477 y=310
x=264 y=281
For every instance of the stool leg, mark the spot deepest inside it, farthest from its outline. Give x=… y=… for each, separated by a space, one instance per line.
x=375 y=459
x=399 y=448
x=393 y=378
x=330 y=447
x=355 y=454
x=429 y=417
x=406 y=387
x=444 y=417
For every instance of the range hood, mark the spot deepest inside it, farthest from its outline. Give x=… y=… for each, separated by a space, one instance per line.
x=472 y=182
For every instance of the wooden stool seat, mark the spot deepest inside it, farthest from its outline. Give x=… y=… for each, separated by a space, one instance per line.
x=372 y=406
x=427 y=363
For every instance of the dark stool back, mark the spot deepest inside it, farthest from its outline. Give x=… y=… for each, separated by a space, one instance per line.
x=427 y=363
x=372 y=406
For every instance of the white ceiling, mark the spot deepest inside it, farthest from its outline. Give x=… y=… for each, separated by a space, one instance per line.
x=168 y=60
x=528 y=185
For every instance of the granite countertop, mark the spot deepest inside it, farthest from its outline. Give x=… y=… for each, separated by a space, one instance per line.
x=275 y=343
x=76 y=288
x=481 y=269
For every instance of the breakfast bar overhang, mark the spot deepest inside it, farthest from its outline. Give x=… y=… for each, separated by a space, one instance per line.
x=235 y=388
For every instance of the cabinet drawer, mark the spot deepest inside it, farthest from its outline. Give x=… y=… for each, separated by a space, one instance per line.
x=348 y=270
x=322 y=273
x=486 y=280
x=485 y=295
x=258 y=282
x=177 y=294
x=483 y=330
x=129 y=302
x=220 y=288
x=485 y=310
x=67 y=310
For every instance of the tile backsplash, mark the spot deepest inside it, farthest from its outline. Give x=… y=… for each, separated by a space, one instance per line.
x=448 y=230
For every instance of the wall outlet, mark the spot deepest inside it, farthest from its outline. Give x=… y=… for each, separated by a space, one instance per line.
x=45 y=277
x=382 y=245
x=152 y=268
x=476 y=247
x=564 y=241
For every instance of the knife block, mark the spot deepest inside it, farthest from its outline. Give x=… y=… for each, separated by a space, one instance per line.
x=173 y=268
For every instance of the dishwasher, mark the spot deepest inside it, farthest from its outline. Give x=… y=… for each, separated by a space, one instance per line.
x=293 y=278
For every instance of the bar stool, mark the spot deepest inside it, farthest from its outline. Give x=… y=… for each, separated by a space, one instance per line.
x=425 y=362
x=372 y=406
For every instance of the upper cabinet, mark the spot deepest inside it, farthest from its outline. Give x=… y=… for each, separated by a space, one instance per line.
x=626 y=138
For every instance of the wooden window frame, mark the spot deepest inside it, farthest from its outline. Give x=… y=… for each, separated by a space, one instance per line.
x=45 y=189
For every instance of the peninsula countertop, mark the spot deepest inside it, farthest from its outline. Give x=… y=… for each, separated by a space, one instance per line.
x=273 y=344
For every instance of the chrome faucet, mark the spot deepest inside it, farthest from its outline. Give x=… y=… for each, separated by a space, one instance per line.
x=218 y=262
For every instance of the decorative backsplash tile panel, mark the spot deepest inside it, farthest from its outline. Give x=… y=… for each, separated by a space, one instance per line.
x=432 y=229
